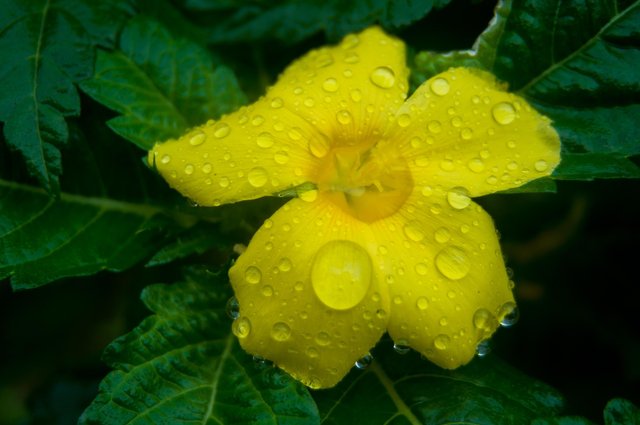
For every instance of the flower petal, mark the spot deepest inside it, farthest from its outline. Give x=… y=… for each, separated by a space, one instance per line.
x=308 y=294
x=448 y=282
x=332 y=95
x=461 y=129
x=349 y=91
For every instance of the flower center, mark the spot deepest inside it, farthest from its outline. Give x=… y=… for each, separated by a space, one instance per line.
x=365 y=181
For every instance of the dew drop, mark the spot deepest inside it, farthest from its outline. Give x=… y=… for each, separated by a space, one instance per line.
x=414 y=231
x=421 y=269
x=483 y=320
x=280 y=332
x=206 y=168
x=284 y=265
x=324 y=60
x=541 y=165
x=165 y=159
x=330 y=85
x=323 y=339
x=188 y=169
x=223 y=182
x=309 y=195
x=350 y=41
x=312 y=352
x=466 y=133
x=341 y=274
x=434 y=126
x=222 y=130
x=404 y=120
x=504 y=113
x=383 y=77
x=422 y=303
x=276 y=103
x=252 y=275
x=453 y=263
x=241 y=327
x=509 y=314
x=356 y=95
x=458 y=198
x=257 y=177
x=364 y=362
x=264 y=140
x=344 y=117
x=233 y=308
x=257 y=120
x=441 y=342
x=442 y=235
x=483 y=348
x=351 y=57
x=440 y=86
x=197 y=139
x=267 y=291
x=476 y=165
x=309 y=102
x=401 y=347
x=447 y=165
x=281 y=157
x=319 y=147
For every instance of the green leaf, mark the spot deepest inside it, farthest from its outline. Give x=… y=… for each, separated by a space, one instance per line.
x=621 y=412
x=101 y=221
x=160 y=84
x=582 y=73
x=47 y=46
x=563 y=420
x=407 y=389
x=194 y=240
x=183 y=365
x=291 y=21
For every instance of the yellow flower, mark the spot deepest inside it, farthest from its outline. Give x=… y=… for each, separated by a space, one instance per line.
x=383 y=235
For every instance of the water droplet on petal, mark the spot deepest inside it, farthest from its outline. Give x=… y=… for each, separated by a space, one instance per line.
x=434 y=126
x=441 y=342
x=413 y=230
x=341 y=274
x=276 y=103
x=344 y=117
x=383 y=77
x=233 y=308
x=267 y=291
x=257 y=120
x=458 y=198
x=319 y=146
x=252 y=275
x=476 y=165
x=483 y=320
x=197 y=139
x=442 y=235
x=280 y=331
x=364 y=362
x=504 y=113
x=453 y=263
x=188 y=169
x=356 y=95
x=421 y=269
x=223 y=182
x=165 y=159
x=440 y=86
x=483 y=348
x=422 y=303
x=330 y=85
x=312 y=352
x=281 y=157
x=222 y=130
x=466 y=133
x=404 y=120
x=351 y=57
x=257 y=177
x=509 y=314
x=264 y=140
x=309 y=195
x=401 y=347
x=241 y=327
x=541 y=165
x=323 y=339
x=206 y=168
x=284 y=265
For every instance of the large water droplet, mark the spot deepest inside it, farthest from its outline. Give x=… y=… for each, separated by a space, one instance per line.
x=364 y=362
x=509 y=314
x=344 y=117
x=458 y=198
x=241 y=327
x=252 y=275
x=265 y=140
x=330 y=85
x=483 y=320
x=341 y=274
x=233 y=308
x=319 y=146
x=401 y=347
x=257 y=177
x=453 y=263
x=483 y=348
x=285 y=264
x=440 y=86
x=383 y=77
x=404 y=120
x=222 y=130
x=413 y=230
x=504 y=113
x=197 y=139
x=441 y=342
x=280 y=331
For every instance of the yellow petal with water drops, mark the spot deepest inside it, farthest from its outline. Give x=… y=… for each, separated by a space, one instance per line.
x=462 y=129
x=309 y=295
x=349 y=91
x=447 y=280
x=256 y=151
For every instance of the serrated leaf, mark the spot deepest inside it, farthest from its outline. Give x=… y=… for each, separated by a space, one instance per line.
x=407 y=389
x=582 y=73
x=292 y=21
x=621 y=412
x=160 y=84
x=182 y=365
x=47 y=48
x=101 y=221
x=195 y=240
